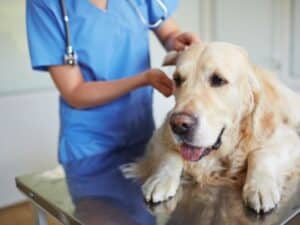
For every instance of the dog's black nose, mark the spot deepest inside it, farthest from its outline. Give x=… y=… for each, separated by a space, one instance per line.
x=182 y=123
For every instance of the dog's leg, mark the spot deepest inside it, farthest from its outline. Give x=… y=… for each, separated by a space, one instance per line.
x=165 y=179
x=160 y=172
x=267 y=168
x=262 y=189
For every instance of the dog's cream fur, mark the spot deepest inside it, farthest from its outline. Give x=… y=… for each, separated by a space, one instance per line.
x=260 y=146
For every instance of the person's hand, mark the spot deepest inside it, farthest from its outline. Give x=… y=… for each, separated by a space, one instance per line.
x=180 y=41
x=160 y=81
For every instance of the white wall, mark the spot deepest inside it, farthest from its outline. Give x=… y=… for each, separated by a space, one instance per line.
x=29 y=122
x=268 y=30
x=28 y=131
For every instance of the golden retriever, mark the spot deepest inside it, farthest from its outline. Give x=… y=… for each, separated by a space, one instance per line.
x=232 y=122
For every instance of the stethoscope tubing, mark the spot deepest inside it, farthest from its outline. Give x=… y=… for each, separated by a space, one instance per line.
x=71 y=56
x=144 y=21
x=66 y=26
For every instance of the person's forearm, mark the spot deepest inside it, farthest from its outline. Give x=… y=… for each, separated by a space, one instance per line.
x=167 y=32
x=83 y=94
x=91 y=94
x=168 y=43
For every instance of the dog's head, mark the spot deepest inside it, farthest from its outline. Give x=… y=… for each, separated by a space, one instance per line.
x=215 y=87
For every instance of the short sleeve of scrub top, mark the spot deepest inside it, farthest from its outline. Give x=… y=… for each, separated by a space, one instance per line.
x=45 y=36
x=155 y=11
x=111 y=44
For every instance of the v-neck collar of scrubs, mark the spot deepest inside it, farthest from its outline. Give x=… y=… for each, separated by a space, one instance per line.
x=118 y=12
x=93 y=5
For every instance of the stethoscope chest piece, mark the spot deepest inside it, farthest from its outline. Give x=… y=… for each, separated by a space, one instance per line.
x=70 y=58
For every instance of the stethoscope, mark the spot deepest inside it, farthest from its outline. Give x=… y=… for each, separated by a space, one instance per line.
x=70 y=56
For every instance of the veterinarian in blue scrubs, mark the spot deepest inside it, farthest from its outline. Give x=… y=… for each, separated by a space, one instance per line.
x=106 y=99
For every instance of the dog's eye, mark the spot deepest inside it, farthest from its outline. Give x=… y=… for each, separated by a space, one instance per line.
x=178 y=80
x=217 y=81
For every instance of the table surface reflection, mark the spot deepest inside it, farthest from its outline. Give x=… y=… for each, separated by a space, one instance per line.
x=95 y=193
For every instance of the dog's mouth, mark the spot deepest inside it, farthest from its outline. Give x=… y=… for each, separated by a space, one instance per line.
x=194 y=153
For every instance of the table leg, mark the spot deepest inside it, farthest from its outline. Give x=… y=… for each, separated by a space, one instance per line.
x=40 y=215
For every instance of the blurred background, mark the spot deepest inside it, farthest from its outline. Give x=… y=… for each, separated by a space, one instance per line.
x=268 y=29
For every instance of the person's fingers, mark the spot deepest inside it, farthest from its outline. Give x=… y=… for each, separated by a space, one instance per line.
x=179 y=45
x=168 y=93
x=170 y=87
x=189 y=38
x=165 y=89
x=162 y=82
x=194 y=38
x=167 y=81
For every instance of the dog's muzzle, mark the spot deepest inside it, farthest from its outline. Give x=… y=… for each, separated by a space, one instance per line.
x=183 y=125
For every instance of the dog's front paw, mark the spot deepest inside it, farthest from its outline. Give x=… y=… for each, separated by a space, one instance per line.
x=262 y=195
x=160 y=187
x=166 y=207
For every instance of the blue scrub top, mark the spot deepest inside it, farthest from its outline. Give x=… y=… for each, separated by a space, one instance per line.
x=110 y=44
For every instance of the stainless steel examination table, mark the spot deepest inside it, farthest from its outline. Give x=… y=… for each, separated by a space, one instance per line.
x=92 y=192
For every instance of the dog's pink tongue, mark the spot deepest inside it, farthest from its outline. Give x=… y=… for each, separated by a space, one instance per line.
x=190 y=153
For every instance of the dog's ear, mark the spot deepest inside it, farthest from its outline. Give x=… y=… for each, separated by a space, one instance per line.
x=171 y=58
x=253 y=71
x=253 y=78
x=266 y=113
x=254 y=83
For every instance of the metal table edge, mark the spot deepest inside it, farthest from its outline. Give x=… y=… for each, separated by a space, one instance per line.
x=51 y=209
